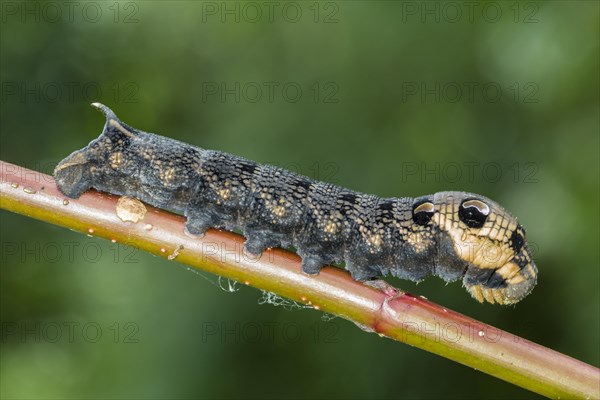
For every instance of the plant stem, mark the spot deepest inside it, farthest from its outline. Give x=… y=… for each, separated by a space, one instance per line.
x=400 y=316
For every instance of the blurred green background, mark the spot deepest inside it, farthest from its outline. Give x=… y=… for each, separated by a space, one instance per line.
x=392 y=98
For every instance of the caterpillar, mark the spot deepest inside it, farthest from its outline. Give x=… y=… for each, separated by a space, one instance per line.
x=451 y=235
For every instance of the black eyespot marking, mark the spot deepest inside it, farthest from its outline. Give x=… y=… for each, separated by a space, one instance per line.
x=423 y=212
x=304 y=183
x=517 y=240
x=248 y=168
x=349 y=198
x=473 y=213
x=386 y=206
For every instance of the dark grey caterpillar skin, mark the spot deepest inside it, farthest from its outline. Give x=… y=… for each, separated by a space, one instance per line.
x=451 y=235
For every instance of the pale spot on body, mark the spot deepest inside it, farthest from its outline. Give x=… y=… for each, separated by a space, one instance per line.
x=279 y=211
x=224 y=193
x=116 y=159
x=375 y=240
x=330 y=228
x=167 y=175
x=417 y=241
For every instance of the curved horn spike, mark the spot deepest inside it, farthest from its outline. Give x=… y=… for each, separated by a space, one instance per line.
x=108 y=113
x=113 y=126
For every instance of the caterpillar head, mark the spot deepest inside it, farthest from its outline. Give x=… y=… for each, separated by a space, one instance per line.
x=490 y=244
x=103 y=157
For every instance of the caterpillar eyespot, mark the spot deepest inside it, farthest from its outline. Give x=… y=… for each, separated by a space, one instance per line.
x=423 y=212
x=474 y=213
x=447 y=234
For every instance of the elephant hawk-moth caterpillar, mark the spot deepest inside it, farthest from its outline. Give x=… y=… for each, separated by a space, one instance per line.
x=451 y=235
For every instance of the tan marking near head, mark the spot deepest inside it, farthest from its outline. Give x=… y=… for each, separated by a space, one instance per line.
x=480 y=251
x=120 y=127
x=485 y=230
x=442 y=215
x=514 y=275
x=509 y=270
x=494 y=233
x=492 y=254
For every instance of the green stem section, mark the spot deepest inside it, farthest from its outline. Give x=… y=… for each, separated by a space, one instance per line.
x=399 y=316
